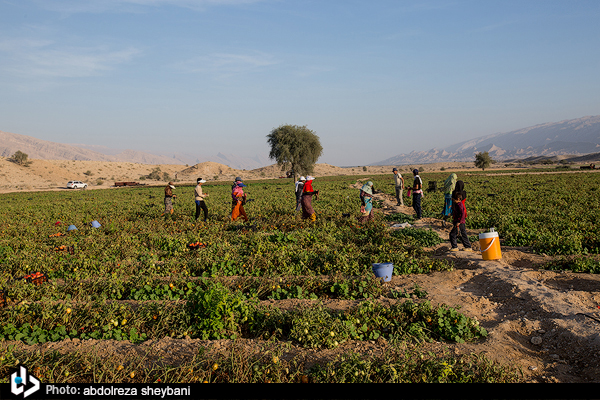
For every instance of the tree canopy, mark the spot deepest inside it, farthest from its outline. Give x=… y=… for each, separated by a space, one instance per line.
x=20 y=158
x=483 y=160
x=295 y=146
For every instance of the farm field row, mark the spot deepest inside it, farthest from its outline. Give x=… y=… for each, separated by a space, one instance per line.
x=135 y=279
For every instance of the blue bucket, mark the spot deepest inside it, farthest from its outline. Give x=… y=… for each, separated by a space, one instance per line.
x=72 y=228
x=383 y=270
x=96 y=224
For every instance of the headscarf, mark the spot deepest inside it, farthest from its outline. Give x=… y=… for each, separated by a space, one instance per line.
x=308 y=185
x=449 y=183
x=238 y=191
x=367 y=188
x=459 y=188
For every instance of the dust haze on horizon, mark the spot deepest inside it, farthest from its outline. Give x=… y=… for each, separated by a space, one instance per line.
x=372 y=79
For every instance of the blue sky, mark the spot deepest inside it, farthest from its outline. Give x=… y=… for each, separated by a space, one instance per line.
x=373 y=79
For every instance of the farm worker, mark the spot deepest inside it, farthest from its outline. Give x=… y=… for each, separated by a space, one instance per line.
x=199 y=198
x=459 y=188
x=459 y=216
x=169 y=198
x=299 y=190
x=399 y=183
x=235 y=182
x=417 y=193
x=306 y=199
x=239 y=199
x=366 y=202
x=449 y=185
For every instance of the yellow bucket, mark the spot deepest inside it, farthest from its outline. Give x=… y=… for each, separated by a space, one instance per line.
x=489 y=242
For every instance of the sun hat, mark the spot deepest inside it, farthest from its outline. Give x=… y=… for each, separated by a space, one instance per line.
x=238 y=179
x=302 y=178
x=367 y=188
x=395 y=169
x=310 y=178
x=172 y=187
x=200 y=180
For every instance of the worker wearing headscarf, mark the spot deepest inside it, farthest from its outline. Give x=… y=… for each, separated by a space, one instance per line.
x=169 y=198
x=459 y=189
x=306 y=200
x=449 y=185
x=298 y=191
x=238 y=200
x=366 y=202
x=417 y=193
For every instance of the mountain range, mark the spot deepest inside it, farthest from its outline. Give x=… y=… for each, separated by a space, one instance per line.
x=569 y=137
x=46 y=150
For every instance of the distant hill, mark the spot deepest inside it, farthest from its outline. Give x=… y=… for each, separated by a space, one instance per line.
x=46 y=150
x=570 y=137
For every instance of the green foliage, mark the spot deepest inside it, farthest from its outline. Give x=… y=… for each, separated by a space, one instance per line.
x=417 y=292
x=20 y=158
x=156 y=174
x=317 y=327
x=170 y=289
x=294 y=146
x=265 y=364
x=483 y=160
x=216 y=313
x=590 y=265
x=422 y=237
x=411 y=367
x=400 y=217
x=452 y=325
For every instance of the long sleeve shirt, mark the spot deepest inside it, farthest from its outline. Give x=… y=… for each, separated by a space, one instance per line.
x=459 y=213
x=198 y=193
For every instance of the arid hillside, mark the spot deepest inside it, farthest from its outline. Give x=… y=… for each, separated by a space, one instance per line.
x=54 y=174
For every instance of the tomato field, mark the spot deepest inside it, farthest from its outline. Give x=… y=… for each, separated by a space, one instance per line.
x=144 y=277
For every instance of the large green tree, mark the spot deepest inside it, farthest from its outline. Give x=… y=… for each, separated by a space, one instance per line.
x=295 y=147
x=483 y=160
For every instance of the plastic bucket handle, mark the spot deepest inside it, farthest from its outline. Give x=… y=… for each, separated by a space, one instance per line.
x=491 y=243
